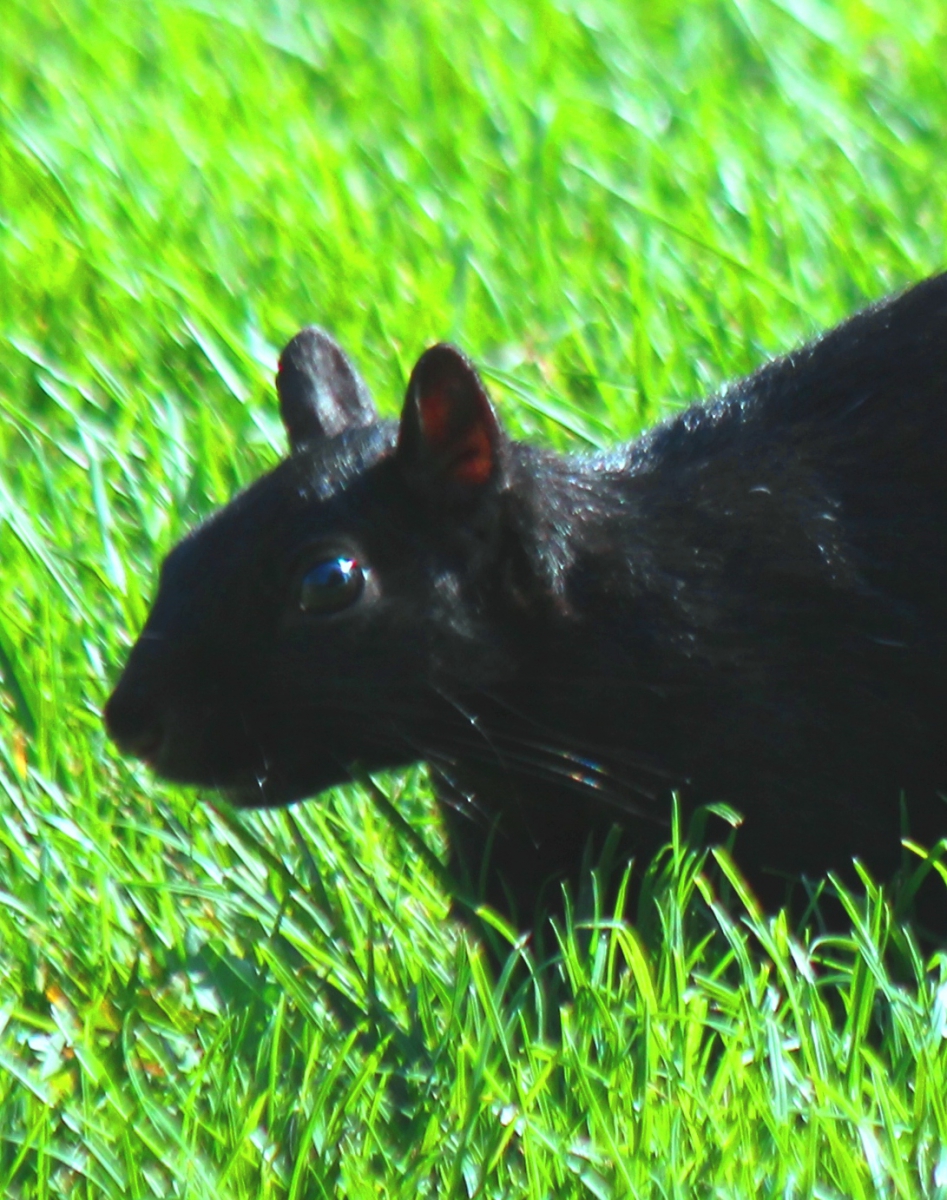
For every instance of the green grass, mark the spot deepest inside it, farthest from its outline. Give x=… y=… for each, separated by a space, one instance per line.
x=613 y=208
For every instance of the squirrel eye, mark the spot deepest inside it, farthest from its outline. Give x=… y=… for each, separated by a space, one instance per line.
x=331 y=585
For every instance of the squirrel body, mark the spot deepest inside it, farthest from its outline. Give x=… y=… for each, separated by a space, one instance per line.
x=747 y=605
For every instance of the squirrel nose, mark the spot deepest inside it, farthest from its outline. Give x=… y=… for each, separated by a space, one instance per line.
x=133 y=725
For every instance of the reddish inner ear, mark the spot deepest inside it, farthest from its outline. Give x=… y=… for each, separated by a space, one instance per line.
x=435 y=413
x=474 y=460
x=469 y=451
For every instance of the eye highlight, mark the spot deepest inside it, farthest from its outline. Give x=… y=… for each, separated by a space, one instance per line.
x=331 y=585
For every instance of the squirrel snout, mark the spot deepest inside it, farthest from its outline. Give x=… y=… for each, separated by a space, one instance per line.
x=133 y=725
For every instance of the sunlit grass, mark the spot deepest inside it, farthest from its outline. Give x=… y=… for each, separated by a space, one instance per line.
x=613 y=208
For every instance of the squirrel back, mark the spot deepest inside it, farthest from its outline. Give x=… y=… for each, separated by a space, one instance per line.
x=747 y=605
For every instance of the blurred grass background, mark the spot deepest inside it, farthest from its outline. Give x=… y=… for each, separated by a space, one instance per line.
x=613 y=208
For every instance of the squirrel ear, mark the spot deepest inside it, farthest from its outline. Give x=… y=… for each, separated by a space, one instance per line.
x=320 y=392
x=449 y=436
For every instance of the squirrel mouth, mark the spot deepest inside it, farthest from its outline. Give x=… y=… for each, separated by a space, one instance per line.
x=268 y=788
x=251 y=794
x=261 y=791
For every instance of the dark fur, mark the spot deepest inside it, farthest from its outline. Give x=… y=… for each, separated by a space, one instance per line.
x=749 y=604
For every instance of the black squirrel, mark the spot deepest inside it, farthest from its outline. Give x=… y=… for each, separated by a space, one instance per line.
x=747 y=605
